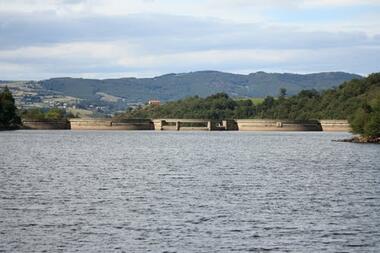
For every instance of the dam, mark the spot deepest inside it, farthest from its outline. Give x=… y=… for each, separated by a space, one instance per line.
x=335 y=125
x=45 y=124
x=191 y=125
x=277 y=125
x=109 y=124
x=155 y=124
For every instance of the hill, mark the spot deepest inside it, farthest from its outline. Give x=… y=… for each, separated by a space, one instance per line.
x=336 y=103
x=203 y=83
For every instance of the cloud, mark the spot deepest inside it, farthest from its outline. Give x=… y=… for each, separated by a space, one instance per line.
x=167 y=33
x=293 y=3
x=44 y=38
x=329 y=3
x=110 y=59
x=19 y=30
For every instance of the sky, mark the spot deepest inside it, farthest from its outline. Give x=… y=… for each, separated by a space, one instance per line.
x=41 y=39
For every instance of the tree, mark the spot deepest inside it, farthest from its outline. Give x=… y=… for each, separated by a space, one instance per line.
x=44 y=114
x=219 y=106
x=372 y=128
x=358 y=121
x=55 y=114
x=33 y=114
x=282 y=93
x=366 y=120
x=8 y=111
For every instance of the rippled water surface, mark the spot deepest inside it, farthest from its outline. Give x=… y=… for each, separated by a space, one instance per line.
x=187 y=192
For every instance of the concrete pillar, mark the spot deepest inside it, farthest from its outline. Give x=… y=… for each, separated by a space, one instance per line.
x=209 y=125
x=158 y=125
x=225 y=124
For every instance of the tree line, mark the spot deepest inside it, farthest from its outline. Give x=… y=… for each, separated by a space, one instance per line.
x=218 y=106
x=43 y=114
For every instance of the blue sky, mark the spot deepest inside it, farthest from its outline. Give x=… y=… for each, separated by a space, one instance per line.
x=40 y=39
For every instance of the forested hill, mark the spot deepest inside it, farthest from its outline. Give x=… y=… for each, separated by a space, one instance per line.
x=203 y=83
x=337 y=103
x=353 y=98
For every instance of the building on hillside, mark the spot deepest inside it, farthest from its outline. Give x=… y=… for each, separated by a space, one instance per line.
x=154 y=102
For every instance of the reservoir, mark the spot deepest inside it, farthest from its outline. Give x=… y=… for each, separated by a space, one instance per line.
x=149 y=191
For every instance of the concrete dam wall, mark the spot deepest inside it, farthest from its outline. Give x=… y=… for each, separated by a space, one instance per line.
x=108 y=124
x=45 y=124
x=335 y=125
x=277 y=125
x=192 y=125
x=156 y=124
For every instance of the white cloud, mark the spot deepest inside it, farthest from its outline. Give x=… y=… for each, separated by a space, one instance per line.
x=329 y=3
x=110 y=59
x=99 y=38
x=291 y=3
x=73 y=51
x=174 y=7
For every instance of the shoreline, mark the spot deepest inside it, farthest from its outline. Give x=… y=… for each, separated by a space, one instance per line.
x=361 y=140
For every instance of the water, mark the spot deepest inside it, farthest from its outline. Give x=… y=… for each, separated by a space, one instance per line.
x=187 y=192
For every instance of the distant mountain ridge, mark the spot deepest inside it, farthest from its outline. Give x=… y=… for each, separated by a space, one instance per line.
x=202 y=83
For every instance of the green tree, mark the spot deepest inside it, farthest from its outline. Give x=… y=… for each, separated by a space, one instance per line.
x=218 y=106
x=366 y=120
x=282 y=93
x=8 y=111
x=33 y=114
x=372 y=128
x=55 y=114
x=43 y=114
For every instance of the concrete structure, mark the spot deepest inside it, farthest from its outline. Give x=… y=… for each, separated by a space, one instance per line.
x=45 y=124
x=277 y=125
x=90 y=124
x=108 y=124
x=191 y=125
x=229 y=125
x=154 y=102
x=186 y=125
x=335 y=125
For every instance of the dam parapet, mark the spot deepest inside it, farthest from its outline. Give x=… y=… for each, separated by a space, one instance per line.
x=277 y=125
x=335 y=125
x=108 y=124
x=45 y=124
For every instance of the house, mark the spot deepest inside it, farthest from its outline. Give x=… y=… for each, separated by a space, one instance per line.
x=154 y=102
